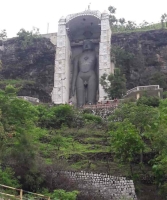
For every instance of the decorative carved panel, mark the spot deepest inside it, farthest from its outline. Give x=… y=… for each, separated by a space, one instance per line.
x=60 y=66
x=58 y=83
x=94 y=13
x=61 y=30
x=105 y=36
x=60 y=53
x=104 y=48
x=61 y=41
x=105 y=25
x=104 y=58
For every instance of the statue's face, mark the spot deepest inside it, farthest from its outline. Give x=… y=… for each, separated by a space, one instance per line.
x=87 y=45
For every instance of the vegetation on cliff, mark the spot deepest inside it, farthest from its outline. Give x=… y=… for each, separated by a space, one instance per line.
x=114 y=84
x=27 y=62
x=121 y=25
x=39 y=140
x=3 y=35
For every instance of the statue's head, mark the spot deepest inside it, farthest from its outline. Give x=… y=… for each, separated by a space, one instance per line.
x=88 y=45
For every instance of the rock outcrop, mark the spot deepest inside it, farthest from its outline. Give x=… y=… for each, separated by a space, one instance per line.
x=32 y=66
x=142 y=56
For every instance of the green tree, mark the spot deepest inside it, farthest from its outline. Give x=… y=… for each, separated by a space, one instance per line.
x=131 y=25
x=112 y=9
x=56 y=116
x=138 y=128
x=158 y=138
x=160 y=79
x=18 y=123
x=164 y=19
x=112 y=18
x=126 y=141
x=114 y=84
x=3 y=35
x=149 y=101
x=27 y=38
x=122 y=21
x=123 y=60
x=58 y=140
x=142 y=117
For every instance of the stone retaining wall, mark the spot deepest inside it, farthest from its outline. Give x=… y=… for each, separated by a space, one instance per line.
x=110 y=187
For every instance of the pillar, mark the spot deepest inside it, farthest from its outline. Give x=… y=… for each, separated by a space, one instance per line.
x=138 y=96
x=105 y=65
x=60 y=93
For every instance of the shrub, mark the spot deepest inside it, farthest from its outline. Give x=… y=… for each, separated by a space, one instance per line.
x=62 y=194
x=7 y=178
x=56 y=116
x=92 y=118
x=149 y=101
x=164 y=95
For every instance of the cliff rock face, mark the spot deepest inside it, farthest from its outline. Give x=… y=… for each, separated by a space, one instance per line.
x=142 y=56
x=31 y=66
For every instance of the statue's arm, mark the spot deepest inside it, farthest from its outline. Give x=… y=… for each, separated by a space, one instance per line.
x=74 y=77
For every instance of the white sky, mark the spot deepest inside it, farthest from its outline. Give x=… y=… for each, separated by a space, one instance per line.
x=17 y=14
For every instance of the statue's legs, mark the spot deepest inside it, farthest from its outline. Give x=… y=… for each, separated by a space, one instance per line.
x=80 y=89
x=92 y=89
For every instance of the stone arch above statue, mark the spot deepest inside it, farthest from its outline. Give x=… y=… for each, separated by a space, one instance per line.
x=85 y=25
x=89 y=12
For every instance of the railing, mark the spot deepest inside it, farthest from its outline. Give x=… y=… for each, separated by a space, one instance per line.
x=22 y=194
x=31 y=99
x=132 y=90
x=148 y=87
x=142 y=88
x=43 y=99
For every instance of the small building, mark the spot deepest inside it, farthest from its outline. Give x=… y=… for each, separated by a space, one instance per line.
x=139 y=91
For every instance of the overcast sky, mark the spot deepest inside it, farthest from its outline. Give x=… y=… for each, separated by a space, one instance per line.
x=17 y=14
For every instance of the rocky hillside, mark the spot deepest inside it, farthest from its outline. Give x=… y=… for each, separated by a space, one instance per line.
x=142 y=57
x=29 y=67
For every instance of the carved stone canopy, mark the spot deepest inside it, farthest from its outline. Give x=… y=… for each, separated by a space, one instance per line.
x=94 y=13
x=84 y=25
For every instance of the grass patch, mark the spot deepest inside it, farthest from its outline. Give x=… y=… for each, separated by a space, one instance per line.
x=15 y=82
x=72 y=145
x=94 y=140
x=151 y=27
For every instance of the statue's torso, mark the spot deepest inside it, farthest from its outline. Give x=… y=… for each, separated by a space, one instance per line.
x=87 y=61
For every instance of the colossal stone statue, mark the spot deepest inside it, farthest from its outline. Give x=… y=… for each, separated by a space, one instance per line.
x=85 y=77
x=72 y=31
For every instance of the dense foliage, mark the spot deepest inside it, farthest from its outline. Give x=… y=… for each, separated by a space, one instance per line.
x=35 y=137
x=138 y=129
x=19 y=135
x=114 y=84
x=27 y=38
